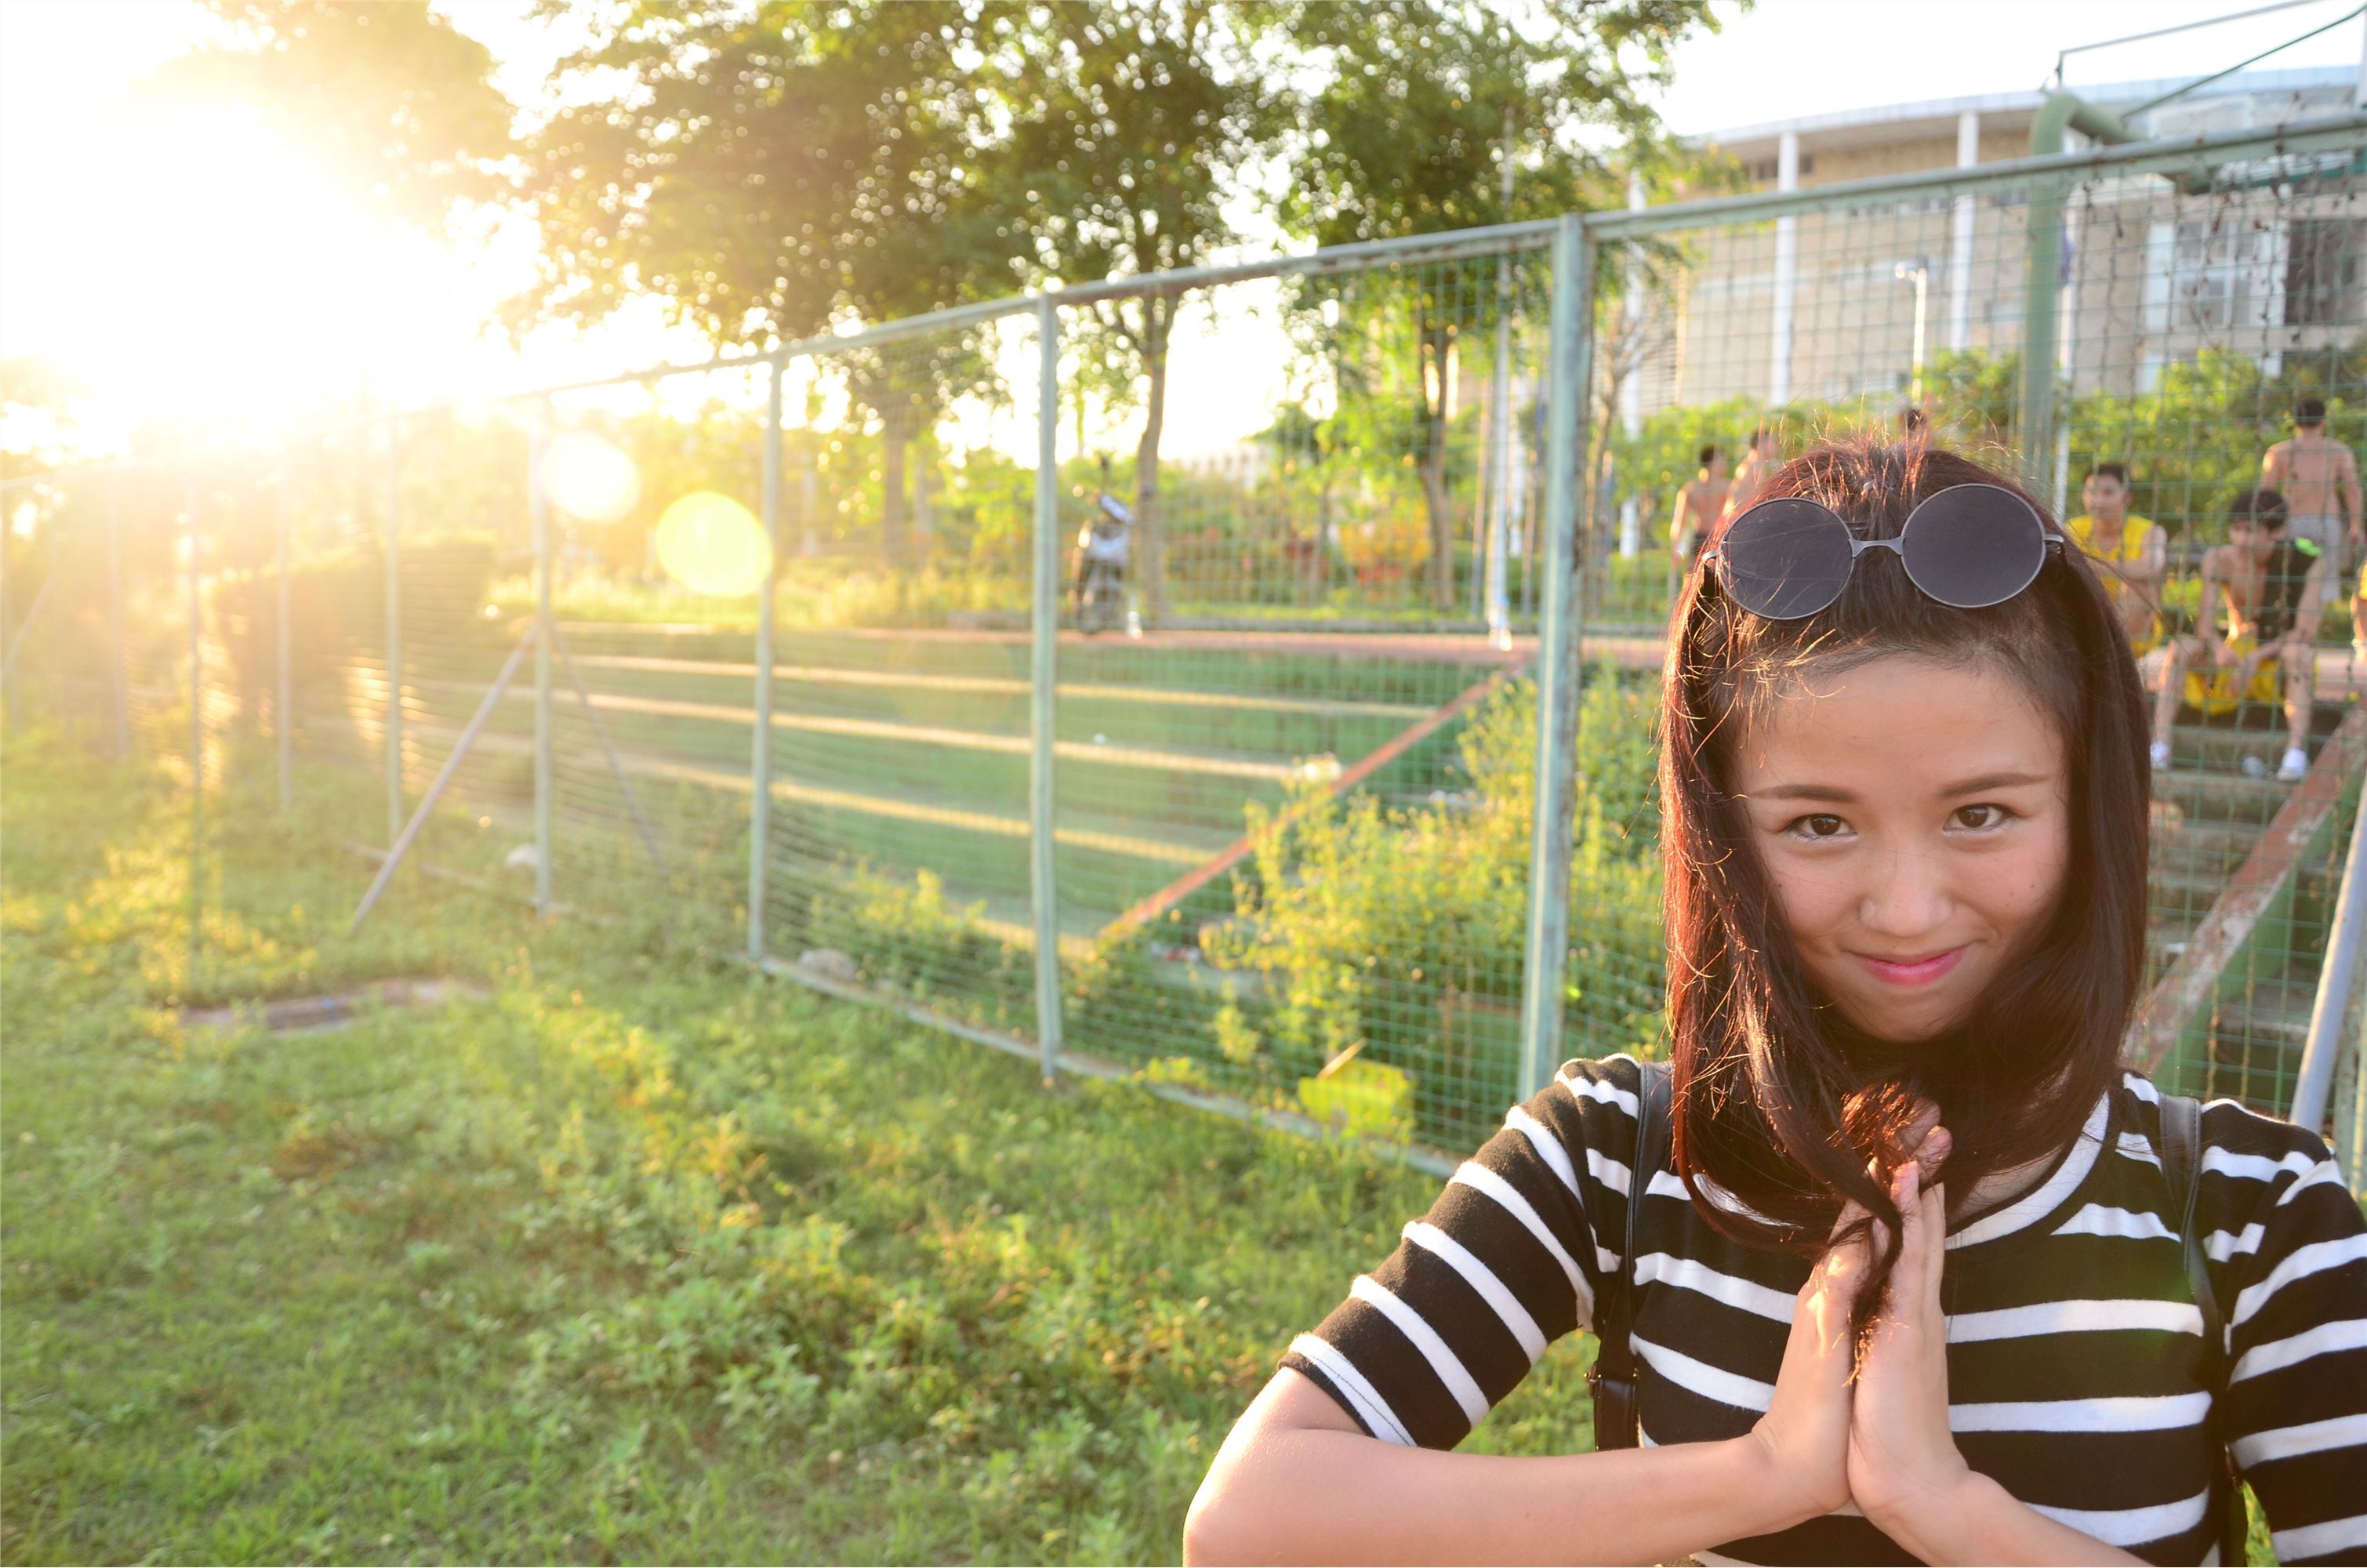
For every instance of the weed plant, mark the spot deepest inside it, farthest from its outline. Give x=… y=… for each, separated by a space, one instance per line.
x=633 y=1256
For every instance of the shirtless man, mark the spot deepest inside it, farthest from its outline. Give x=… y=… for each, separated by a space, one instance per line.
x=2271 y=587
x=2319 y=480
x=1759 y=461
x=1699 y=506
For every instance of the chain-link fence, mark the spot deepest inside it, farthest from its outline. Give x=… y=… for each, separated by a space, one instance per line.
x=1308 y=774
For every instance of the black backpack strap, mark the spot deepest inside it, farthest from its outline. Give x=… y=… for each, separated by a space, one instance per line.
x=2181 y=1166
x=1612 y=1379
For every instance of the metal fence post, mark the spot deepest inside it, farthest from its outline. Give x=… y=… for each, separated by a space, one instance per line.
x=119 y=693
x=283 y=701
x=1044 y=621
x=760 y=746
x=538 y=505
x=194 y=535
x=394 y=812
x=1570 y=373
x=2323 y=1046
x=2041 y=302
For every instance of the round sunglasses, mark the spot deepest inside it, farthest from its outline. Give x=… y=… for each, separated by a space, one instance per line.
x=1969 y=547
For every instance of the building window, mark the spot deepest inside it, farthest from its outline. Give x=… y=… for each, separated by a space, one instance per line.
x=2223 y=274
x=2325 y=265
x=1764 y=171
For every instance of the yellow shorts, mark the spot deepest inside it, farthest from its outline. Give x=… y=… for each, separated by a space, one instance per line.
x=2215 y=691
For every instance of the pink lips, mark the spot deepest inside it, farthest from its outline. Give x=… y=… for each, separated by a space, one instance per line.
x=1917 y=971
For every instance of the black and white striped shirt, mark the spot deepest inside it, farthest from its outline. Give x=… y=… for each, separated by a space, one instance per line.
x=2076 y=1371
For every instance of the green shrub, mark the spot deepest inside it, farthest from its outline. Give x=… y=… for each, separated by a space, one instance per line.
x=1398 y=933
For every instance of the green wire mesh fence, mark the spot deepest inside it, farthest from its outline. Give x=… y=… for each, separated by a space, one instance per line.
x=821 y=657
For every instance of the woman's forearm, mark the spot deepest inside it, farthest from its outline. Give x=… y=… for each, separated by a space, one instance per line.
x=1980 y=1521
x=1316 y=1495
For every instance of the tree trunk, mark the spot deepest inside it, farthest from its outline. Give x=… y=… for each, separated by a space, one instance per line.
x=1598 y=461
x=892 y=446
x=924 y=522
x=1149 y=545
x=1437 y=352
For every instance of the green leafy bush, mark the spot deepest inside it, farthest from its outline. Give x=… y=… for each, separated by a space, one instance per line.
x=1397 y=933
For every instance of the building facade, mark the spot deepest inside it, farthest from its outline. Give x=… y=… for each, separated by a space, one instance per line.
x=1829 y=306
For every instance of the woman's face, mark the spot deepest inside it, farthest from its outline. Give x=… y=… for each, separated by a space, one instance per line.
x=1914 y=820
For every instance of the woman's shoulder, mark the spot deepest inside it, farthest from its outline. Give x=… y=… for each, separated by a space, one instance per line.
x=1609 y=1086
x=2245 y=1162
x=2226 y=1128
x=1591 y=1104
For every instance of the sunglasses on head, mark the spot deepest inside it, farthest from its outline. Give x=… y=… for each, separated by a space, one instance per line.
x=1968 y=546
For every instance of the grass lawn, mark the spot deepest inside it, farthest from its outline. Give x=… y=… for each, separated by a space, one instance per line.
x=635 y=1258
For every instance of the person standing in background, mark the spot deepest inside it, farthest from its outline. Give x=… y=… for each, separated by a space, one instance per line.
x=1699 y=506
x=2319 y=480
x=2127 y=550
x=1759 y=461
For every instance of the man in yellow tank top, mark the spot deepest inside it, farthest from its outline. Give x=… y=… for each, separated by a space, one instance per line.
x=2128 y=552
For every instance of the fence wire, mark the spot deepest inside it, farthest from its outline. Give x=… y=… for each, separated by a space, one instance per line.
x=752 y=654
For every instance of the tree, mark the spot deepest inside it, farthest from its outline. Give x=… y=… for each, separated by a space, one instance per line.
x=391 y=96
x=1419 y=104
x=774 y=172
x=1131 y=122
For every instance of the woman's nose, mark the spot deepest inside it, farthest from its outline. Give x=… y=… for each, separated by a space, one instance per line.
x=1909 y=896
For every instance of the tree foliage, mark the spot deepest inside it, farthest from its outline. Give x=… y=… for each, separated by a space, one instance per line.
x=396 y=99
x=1131 y=122
x=1421 y=103
x=774 y=172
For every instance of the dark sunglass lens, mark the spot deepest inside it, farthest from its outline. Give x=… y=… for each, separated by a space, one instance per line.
x=1786 y=559
x=1974 y=546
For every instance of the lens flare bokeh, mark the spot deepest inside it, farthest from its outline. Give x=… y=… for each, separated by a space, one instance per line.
x=589 y=479
x=710 y=544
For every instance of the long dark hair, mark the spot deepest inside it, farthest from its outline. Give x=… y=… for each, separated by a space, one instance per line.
x=1780 y=1103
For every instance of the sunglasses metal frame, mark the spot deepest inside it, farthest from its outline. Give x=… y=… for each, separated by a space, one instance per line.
x=1714 y=559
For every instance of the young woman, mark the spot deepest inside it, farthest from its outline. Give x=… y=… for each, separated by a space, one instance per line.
x=1911 y=1285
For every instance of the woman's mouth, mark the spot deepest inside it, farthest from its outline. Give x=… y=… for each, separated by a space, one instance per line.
x=1911 y=972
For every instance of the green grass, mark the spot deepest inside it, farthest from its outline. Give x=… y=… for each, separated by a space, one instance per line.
x=635 y=1258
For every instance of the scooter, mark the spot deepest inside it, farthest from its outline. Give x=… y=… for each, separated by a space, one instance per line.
x=1103 y=547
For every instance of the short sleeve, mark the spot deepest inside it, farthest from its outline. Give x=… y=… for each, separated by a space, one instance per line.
x=1508 y=1259
x=2289 y=1251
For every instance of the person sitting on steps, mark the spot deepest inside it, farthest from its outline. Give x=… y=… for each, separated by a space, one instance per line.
x=2127 y=551
x=2271 y=587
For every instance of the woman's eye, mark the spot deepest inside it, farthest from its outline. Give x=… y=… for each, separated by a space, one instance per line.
x=1820 y=826
x=1979 y=818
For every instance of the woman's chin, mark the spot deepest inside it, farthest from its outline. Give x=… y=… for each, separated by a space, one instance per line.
x=1898 y=1025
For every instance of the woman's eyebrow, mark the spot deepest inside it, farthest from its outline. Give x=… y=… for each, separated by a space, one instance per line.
x=2008 y=780
x=1805 y=792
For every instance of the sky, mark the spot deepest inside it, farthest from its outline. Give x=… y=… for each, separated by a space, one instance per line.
x=207 y=269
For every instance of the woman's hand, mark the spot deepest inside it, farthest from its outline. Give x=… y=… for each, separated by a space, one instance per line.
x=1903 y=1462
x=1805 y=1432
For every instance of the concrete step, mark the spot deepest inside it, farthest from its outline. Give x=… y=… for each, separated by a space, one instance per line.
x=2215 y=747
x=2217 y=796
x=2267 y=1012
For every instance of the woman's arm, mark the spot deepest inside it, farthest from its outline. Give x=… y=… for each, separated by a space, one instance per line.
x=1905 y=1469
x=1299 y=1482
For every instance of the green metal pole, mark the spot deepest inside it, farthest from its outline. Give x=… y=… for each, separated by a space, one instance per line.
x=1571 y=372
x=1044 y=618
x=283 y=705
x=538 y=505
x=119 y=685
x=197 y=615
x=2043 y=275
x=760 y=757
x=2034 y=424
x=394 y=810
